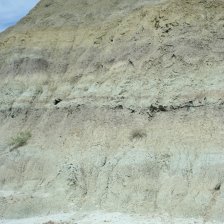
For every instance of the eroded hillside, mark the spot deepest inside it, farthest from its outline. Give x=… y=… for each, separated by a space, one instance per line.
x=124 y=100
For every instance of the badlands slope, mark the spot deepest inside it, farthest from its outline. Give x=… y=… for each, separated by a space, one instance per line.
x=124 y=100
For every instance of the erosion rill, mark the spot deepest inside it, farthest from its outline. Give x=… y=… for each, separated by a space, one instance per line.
x=124 y=101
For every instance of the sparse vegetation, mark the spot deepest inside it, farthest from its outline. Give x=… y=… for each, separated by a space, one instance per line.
x=138 y=134
x=20 y=139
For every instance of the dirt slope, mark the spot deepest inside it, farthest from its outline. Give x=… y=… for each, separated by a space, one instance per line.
x=124 y=101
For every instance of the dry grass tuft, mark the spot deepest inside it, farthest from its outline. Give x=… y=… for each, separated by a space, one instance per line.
x=138 y=134
x=20 y=139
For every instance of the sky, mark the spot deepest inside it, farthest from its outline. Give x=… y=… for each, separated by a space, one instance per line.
x=11 y=11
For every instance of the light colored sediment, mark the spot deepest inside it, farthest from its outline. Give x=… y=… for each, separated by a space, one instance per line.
x=139 y=126
x=93 y=159
x=101 y=217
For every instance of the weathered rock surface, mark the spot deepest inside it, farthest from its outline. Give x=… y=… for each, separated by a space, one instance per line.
x=124 y=100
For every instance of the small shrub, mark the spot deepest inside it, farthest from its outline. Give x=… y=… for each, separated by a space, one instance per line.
x=137 y=134
x=20 y=139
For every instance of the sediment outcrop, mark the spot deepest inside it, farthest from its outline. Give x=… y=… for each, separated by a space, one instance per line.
x=124 y=100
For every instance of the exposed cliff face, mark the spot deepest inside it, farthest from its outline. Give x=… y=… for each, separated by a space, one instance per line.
x=124 y=100
x=130 y=53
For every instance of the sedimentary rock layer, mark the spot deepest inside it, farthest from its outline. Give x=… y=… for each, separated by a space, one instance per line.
x=124 y=100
